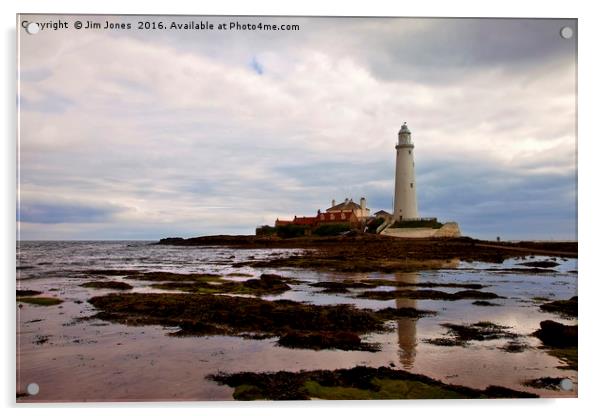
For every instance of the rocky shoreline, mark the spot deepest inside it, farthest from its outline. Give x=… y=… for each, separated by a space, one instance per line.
x=457 y=245
x=369 y=253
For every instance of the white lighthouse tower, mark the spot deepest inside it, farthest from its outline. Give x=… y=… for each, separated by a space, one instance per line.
x=405 y=205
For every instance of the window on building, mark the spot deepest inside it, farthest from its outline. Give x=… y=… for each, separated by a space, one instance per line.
x=411 y=185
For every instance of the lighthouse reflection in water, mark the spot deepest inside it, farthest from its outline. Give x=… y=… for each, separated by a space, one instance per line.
x=406 y=327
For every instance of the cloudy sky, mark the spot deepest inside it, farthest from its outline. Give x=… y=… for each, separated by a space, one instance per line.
x=145 y=134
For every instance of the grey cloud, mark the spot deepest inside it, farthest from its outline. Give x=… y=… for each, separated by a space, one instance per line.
x=35 y=75
x=57 y=213
x=452 y=48
x=425 y=50
x=325 y=173
x=49 y=103
x=489 y=201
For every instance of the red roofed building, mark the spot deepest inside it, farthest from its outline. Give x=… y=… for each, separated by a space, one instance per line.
x=309 y=221
x=360 y=211
x=348 y=217
x=305 y=221
x=347 y=213
x=280 y=223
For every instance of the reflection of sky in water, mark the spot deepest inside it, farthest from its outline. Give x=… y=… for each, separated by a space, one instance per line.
x=99 y=361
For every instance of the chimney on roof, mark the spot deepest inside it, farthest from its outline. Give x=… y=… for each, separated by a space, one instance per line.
x=334 y=202
x=346 y=200
x=363 y=204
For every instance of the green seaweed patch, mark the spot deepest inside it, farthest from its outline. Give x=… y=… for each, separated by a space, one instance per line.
x=565 y=308
x=427 y=294
x=247 y=392
x=384 y=389
x=387 y=389
x=548 y=383
x=358 y=383
x=26 y=292
x=202 y=314
x=40 y=301
x=107 y=285
x=568 y=356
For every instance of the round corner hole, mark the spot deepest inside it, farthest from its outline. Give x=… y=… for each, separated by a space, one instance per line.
x=33 y=389
x=566 y=32
x=32 y=28
x=566 y=384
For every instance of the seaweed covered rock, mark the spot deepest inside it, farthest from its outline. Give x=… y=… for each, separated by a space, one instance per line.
x=267 y=284
x=107 y=285
x=555 y=334
x=427 y=294
x=357 y=383
x=308 y=326
x=26 y=292
x=318 y=340
x=562 y=307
